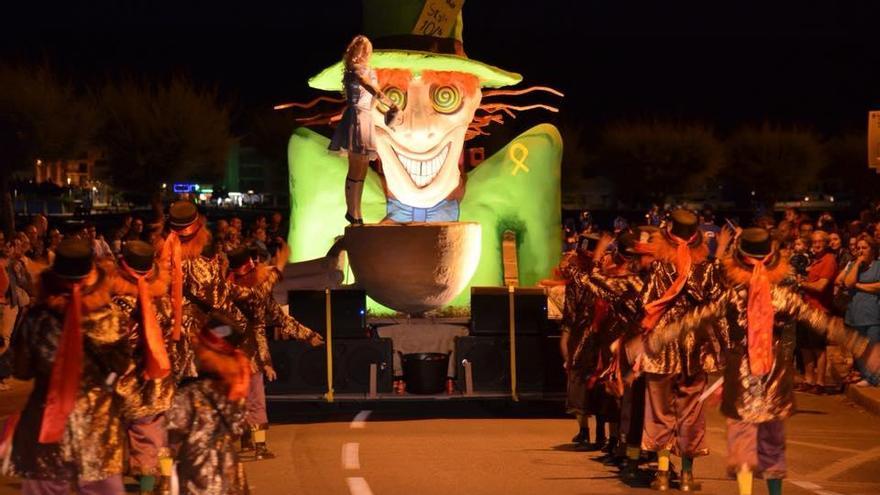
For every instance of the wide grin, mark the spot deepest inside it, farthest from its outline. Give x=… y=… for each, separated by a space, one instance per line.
x=423 y=171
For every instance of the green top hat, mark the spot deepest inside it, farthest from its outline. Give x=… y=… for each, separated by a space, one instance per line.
x=399 y=43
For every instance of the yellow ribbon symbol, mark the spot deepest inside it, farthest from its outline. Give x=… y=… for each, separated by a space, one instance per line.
x=518 y=154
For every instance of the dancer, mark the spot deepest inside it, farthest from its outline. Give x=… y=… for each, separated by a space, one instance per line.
x=71 y=430
x=577 y=313
x=354 y=134
x=681 y=277
x=198 y=282
x=759 y=374
x=208 y=415
x=140 y=291
x=261 y=310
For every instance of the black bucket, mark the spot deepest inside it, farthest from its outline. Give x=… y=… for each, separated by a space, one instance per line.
x=425 y=372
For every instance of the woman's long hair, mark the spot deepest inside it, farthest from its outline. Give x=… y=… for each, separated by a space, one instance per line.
x=357 y=51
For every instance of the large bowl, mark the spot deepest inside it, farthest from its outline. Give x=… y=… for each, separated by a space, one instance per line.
x=414 y=267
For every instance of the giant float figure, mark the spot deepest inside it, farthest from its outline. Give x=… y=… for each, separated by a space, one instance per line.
x=433 y=230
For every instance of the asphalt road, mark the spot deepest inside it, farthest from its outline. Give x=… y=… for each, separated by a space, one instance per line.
x=433 y=448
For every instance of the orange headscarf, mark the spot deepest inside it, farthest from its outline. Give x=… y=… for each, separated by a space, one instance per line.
x=158 y=364
x=66 y=371
x=654 y=310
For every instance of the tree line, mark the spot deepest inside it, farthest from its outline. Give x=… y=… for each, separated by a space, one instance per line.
x=650 y=160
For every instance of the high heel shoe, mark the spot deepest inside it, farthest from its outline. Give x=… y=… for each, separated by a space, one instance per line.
x=352 y=220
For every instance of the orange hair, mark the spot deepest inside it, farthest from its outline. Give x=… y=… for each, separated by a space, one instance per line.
x=399 y=78
x=468 y=83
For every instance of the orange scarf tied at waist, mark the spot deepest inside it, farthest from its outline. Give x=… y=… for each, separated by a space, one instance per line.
x=66 y=372
x=654 y=310
x=760 y=320
x=158 y=365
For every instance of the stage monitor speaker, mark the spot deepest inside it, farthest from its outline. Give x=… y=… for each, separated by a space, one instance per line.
x=490 y=363
x=302 y=369
x=490 y=311
x=349 y=309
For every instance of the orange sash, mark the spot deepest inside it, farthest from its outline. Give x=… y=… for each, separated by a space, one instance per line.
x=654 y=310
x=158 y=364
x=760 y=319
x=66 y=371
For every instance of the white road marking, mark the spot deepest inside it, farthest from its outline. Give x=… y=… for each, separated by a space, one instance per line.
x=350 y=456
x=358 y=486
x=817 y=489
x=806 y=485
x=360 y=420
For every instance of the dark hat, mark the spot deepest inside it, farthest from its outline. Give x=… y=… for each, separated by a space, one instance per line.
x=755 y=242
x=238 y=257
x=182 y=214
x=627 y=241
x=73 y=259
x=139 y=256
x=684 y=224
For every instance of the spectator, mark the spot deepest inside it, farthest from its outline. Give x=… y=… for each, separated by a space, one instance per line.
x=53 y=239
x=99 y=245
x=862 y=279
x=235 y=222
x=800 y=256
x=835 y=247
x=136 y=232
x=259 y=242
x=8 y=313
x=826 y=222
x=35 y=242
x=818 y=291
x=710 y=230
x=806 y=228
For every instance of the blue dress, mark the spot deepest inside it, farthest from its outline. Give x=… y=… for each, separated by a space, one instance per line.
x=355 y=131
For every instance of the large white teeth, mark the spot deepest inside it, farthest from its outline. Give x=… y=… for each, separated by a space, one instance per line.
x=423 y=172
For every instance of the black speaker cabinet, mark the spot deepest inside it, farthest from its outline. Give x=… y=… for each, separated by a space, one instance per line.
x=490 y=311
x=490 y=363
x=302 y=369
x=348 y=312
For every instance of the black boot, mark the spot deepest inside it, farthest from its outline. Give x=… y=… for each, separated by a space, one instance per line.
x=583 y=436
x=247 y=441
x=262 y=452
x=661 y=481
x=687 y=483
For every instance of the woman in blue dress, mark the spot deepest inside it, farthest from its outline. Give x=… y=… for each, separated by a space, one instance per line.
x=354 y=135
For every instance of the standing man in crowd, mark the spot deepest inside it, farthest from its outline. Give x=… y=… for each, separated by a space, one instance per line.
x=818 y=291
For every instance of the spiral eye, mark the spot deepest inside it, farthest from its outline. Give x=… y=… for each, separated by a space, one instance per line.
x=397 y=95
x=446 y=99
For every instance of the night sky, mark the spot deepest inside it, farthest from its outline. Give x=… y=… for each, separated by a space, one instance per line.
x=725 y=63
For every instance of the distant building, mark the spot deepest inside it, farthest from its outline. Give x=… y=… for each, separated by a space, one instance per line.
x=77 y=172
x=250 y=173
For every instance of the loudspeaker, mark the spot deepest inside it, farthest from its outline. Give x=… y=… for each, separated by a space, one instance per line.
x=302 y=369
x=348 y=311
x=490 y=311
x=490 y=363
